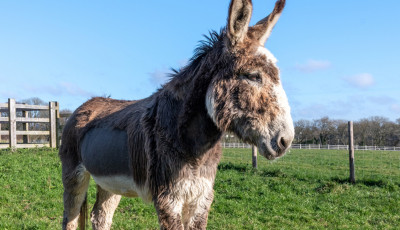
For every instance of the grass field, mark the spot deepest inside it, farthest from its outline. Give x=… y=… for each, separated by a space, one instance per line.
x=306 y=189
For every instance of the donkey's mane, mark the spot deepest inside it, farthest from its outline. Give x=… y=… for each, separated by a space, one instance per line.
x=204 y=48
x=206 y=45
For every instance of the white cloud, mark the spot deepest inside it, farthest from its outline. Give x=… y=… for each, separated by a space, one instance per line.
x=335 y=109
x=361 y=81
x=313 y=65
x=159 y=77
x=381 y=100
x=395 y=108
x=183 y=63
x=4 y=94
x=74 y=90
x=61 y=88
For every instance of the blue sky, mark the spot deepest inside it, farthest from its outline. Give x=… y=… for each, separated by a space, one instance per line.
x=337 y=58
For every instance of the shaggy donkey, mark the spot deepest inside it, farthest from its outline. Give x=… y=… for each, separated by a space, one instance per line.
x=165 y=148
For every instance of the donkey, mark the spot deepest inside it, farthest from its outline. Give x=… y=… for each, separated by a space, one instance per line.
x=165 y=148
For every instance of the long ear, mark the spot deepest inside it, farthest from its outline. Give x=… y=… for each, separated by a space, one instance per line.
x=262 y=30
x=239 y=19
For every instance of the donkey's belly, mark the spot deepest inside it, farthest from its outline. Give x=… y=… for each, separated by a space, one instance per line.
x=105 y=152
x=122 y=185
x=105 y=156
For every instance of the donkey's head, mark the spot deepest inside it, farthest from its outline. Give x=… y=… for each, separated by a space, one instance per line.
x=247 y=97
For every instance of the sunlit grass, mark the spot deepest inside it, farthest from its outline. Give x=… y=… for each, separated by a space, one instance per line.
x=305 y=189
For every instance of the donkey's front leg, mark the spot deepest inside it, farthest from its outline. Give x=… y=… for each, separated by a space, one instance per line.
x=195 y=213
x=169 y=211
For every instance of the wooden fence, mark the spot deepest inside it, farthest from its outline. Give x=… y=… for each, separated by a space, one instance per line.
x=12 y=109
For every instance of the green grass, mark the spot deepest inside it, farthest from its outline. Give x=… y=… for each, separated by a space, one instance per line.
x=306 y=189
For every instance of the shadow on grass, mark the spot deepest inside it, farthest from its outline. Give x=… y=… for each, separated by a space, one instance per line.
x=328 y=187
x=367 y=182
x=248 y=168
x=235 y=167
x=335 y=184
x=273 y=173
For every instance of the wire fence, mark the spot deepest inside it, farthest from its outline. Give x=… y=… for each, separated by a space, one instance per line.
x=313 y=146
x=380 y=167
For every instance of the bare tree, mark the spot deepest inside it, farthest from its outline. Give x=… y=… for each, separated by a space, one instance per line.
x=342 y=133
x=324 y=129
x=64 y=115
x=36 y=114
x=36 y=101
x=303 y=131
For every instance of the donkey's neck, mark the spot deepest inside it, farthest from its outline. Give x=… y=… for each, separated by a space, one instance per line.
x=195 y=131
x=181 y=126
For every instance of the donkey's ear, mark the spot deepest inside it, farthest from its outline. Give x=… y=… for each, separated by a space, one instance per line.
x=239 y=19
x=262 y=30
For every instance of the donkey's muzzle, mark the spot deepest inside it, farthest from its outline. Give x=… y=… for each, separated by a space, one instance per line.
x=275 y=148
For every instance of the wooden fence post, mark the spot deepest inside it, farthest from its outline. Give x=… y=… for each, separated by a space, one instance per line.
x=351 y=153
x=25 y=127
x=53 y=129
x=58 y=140
x=12 y=115
x=254 y=154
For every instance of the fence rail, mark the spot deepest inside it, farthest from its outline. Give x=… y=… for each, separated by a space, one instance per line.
x=12 y=108
x=311 y=146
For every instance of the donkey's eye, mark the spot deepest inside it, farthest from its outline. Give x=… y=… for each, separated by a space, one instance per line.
x=256 y=77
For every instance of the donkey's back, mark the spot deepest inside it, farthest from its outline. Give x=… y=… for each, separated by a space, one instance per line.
x=95 y=113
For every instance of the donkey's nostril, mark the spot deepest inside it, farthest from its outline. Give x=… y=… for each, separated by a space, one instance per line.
x=283 y=144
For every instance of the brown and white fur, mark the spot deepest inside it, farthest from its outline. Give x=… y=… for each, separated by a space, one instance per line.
x=165 y=148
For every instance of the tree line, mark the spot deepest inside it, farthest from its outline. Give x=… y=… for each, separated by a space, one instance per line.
x=372 y=131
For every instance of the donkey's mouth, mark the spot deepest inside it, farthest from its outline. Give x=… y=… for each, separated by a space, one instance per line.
x=267 y=150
